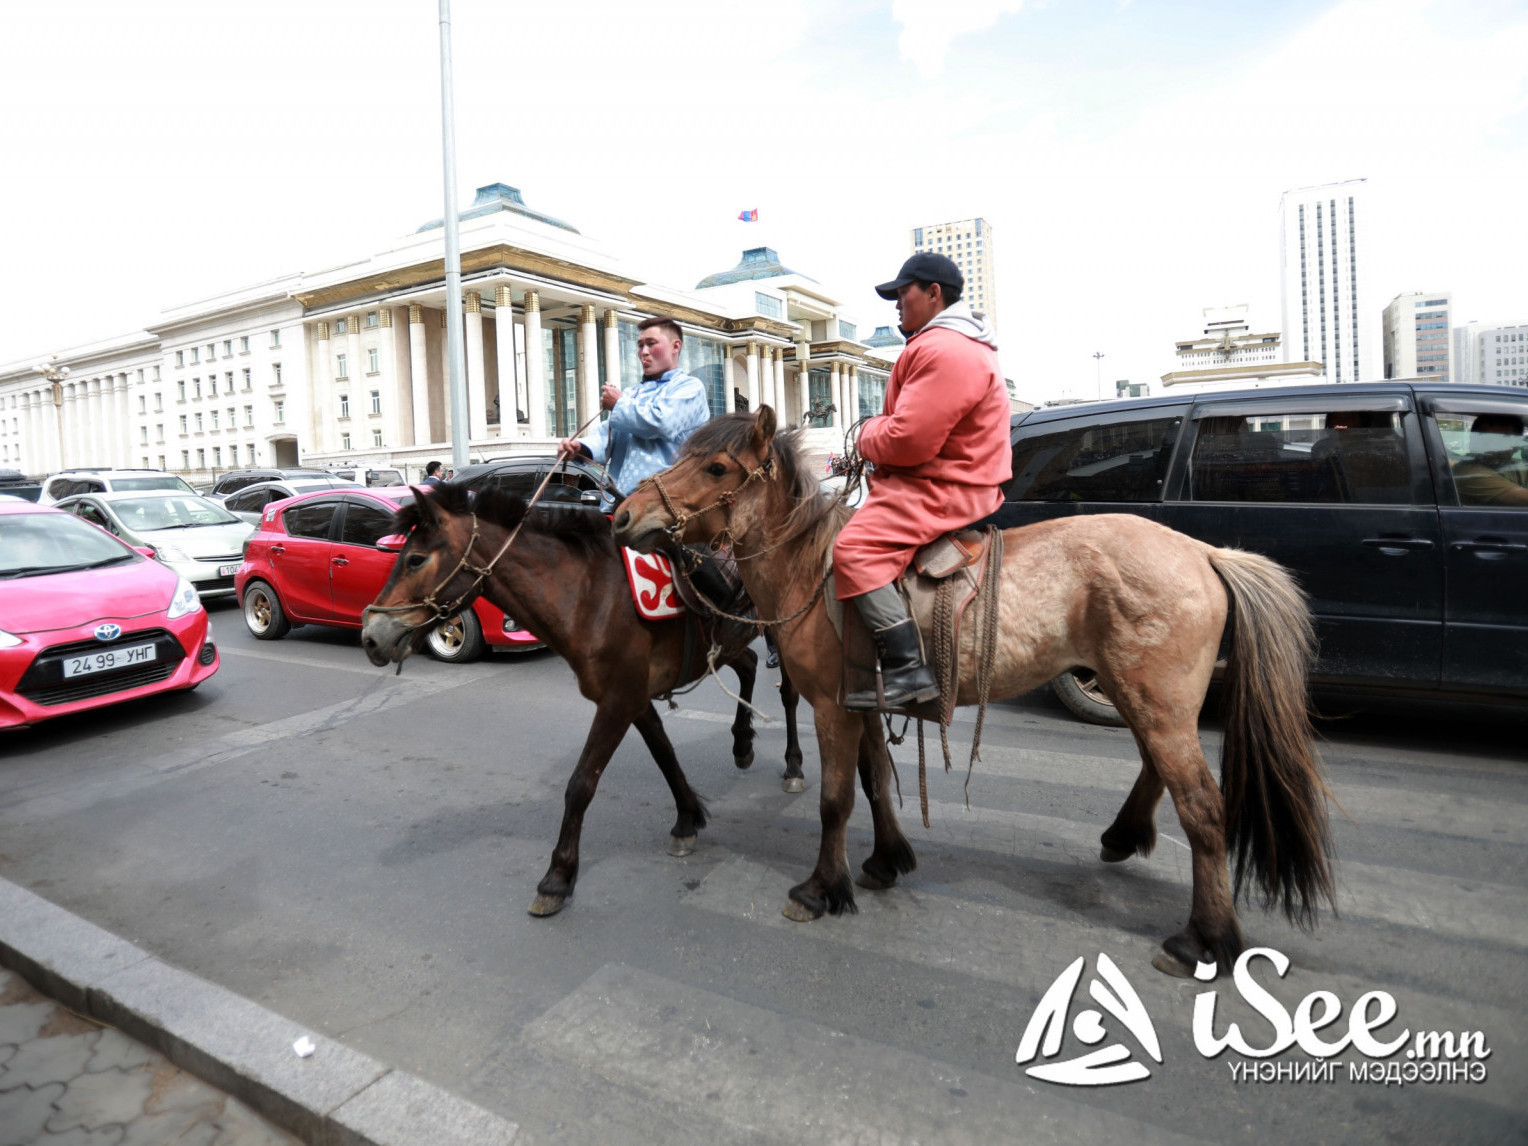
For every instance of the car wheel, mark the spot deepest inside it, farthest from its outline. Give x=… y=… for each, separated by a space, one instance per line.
x=458 y=640
x=1078 y=690
x=263 y=613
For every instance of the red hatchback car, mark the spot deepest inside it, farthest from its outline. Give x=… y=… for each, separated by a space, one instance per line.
x=314 y=560
x=87 y=621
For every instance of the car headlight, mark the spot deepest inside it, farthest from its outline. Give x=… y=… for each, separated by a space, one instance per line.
x=171 y=553
x=8 y=640
x=185 y=600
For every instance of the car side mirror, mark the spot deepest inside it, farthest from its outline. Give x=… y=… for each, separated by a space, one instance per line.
x=393 y=542
x=145 y=551
x=590 y=497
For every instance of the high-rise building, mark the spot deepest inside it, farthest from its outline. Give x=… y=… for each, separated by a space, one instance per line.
x=1492 y=354
x=970 y=242
x=1416 y=336
x=1322 y=238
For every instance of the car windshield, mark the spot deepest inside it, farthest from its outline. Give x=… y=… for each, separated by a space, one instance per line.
x=171 y=513
x=161 y=481
x=34 y=544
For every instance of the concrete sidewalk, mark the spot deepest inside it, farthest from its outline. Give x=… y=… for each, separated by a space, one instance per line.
x=63 y=1078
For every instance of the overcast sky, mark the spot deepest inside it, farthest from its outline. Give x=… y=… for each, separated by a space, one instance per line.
x=1130 y=155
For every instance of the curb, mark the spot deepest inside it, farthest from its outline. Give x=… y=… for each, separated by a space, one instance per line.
x=335 y=1097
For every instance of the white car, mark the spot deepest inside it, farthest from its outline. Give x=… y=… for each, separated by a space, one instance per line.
x=69 y=483
x=196 y=537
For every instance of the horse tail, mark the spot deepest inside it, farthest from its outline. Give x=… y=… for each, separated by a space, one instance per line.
x=1277 y=832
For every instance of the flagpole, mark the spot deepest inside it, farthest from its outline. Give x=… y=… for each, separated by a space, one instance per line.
x=455 y=351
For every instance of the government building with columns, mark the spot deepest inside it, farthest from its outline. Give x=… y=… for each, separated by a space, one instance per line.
x=348 y=366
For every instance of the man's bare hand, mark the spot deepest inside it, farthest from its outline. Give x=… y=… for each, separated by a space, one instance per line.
x=570 y=448
x=609 y=396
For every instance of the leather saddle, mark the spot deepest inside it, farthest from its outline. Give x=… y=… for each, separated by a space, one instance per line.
x=953 y=564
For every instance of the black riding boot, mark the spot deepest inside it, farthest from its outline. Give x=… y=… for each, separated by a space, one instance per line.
x=905 y=679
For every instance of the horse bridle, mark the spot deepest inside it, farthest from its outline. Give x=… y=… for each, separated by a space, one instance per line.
x=764 y=471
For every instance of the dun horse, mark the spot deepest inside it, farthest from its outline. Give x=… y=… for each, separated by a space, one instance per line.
x=564 y=580
x=1142 y=606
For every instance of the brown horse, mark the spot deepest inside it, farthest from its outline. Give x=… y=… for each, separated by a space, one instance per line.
x=1142 y=606
x=565 y=581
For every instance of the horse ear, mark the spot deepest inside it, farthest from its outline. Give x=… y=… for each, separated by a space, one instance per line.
x=429 y=515
x=764 y=428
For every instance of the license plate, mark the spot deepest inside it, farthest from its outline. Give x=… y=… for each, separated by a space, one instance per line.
x=227 y=570
x=108 y=659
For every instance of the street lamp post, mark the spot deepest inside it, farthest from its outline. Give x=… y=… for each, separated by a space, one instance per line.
x=55 y=374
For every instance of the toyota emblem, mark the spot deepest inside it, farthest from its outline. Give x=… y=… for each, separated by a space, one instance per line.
x=108 y=632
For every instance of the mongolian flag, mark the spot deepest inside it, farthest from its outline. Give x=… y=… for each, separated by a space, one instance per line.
x=749 y=216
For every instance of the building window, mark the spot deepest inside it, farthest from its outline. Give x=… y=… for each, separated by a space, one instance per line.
x=275 y=374
x=183 y=425
x=181 y=387
x=280 y=411
x=847 y=330
x=212 y=386
x=249 y=416
x=373 y=360
x=196 y=387
x=233 y=455
x=344 y=441
x=180 y=358
x=229 y=379
x=339 y=327
x=768 y=305
x=275 y=339
x=371 y=318
x=376 y=437
x=143 y=403
x=214 y=420
x=159 y=432
x=344 y=405
x=143 y=436
x=185 y=459
x=376 y=401
x=156 y=374
x=249 y=378
x=227 y=348
x=217 y=455
x=341 y=366
x=198 y=423
x=158 y=402
x=243 y=346
x=212 y=351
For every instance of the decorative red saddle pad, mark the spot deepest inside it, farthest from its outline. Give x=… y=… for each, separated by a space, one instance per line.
x=652 y=585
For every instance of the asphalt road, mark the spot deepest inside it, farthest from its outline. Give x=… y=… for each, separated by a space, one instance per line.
x=356 y=850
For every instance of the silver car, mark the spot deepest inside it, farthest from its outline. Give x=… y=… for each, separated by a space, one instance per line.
x=197 y=538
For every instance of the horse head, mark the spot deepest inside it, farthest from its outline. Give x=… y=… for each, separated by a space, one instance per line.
x=433 y=578
x=692 y=500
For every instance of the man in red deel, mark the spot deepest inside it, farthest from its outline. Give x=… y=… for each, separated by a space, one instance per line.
x=940 y=449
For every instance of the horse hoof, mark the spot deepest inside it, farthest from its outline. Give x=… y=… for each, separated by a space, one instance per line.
x=743 y=762
x=1169 y=964
x=873 y=882
x=1113 y=855
x=547 y=904
x=794 y=784
x=681 y=845
x=798 y=913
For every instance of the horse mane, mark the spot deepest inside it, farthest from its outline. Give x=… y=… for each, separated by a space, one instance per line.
x=582 y=528
x=816 y=515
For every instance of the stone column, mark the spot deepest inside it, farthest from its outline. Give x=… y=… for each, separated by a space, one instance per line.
x=852 y=383
x=445 y=374
x=535 y=366
x=387 y=379
x=504 y=352
x=803 y=388
x=27 y=435
x=588 y=365
x=419 y=377
x=477 y=380
x=782 y=412
x=612 y=331
x=324 y=409
x=128 y=441
x=51 y=460
x=359 y=391
x=836 y=394
x=751 y=371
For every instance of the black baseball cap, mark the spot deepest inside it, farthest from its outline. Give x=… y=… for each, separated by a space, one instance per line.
x=924 y=267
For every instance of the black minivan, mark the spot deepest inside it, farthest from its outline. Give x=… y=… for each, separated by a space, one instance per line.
x=1401 y=507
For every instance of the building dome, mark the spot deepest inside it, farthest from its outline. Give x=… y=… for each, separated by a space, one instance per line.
x=501 y=197
x=758 y=263
x=885 y=336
